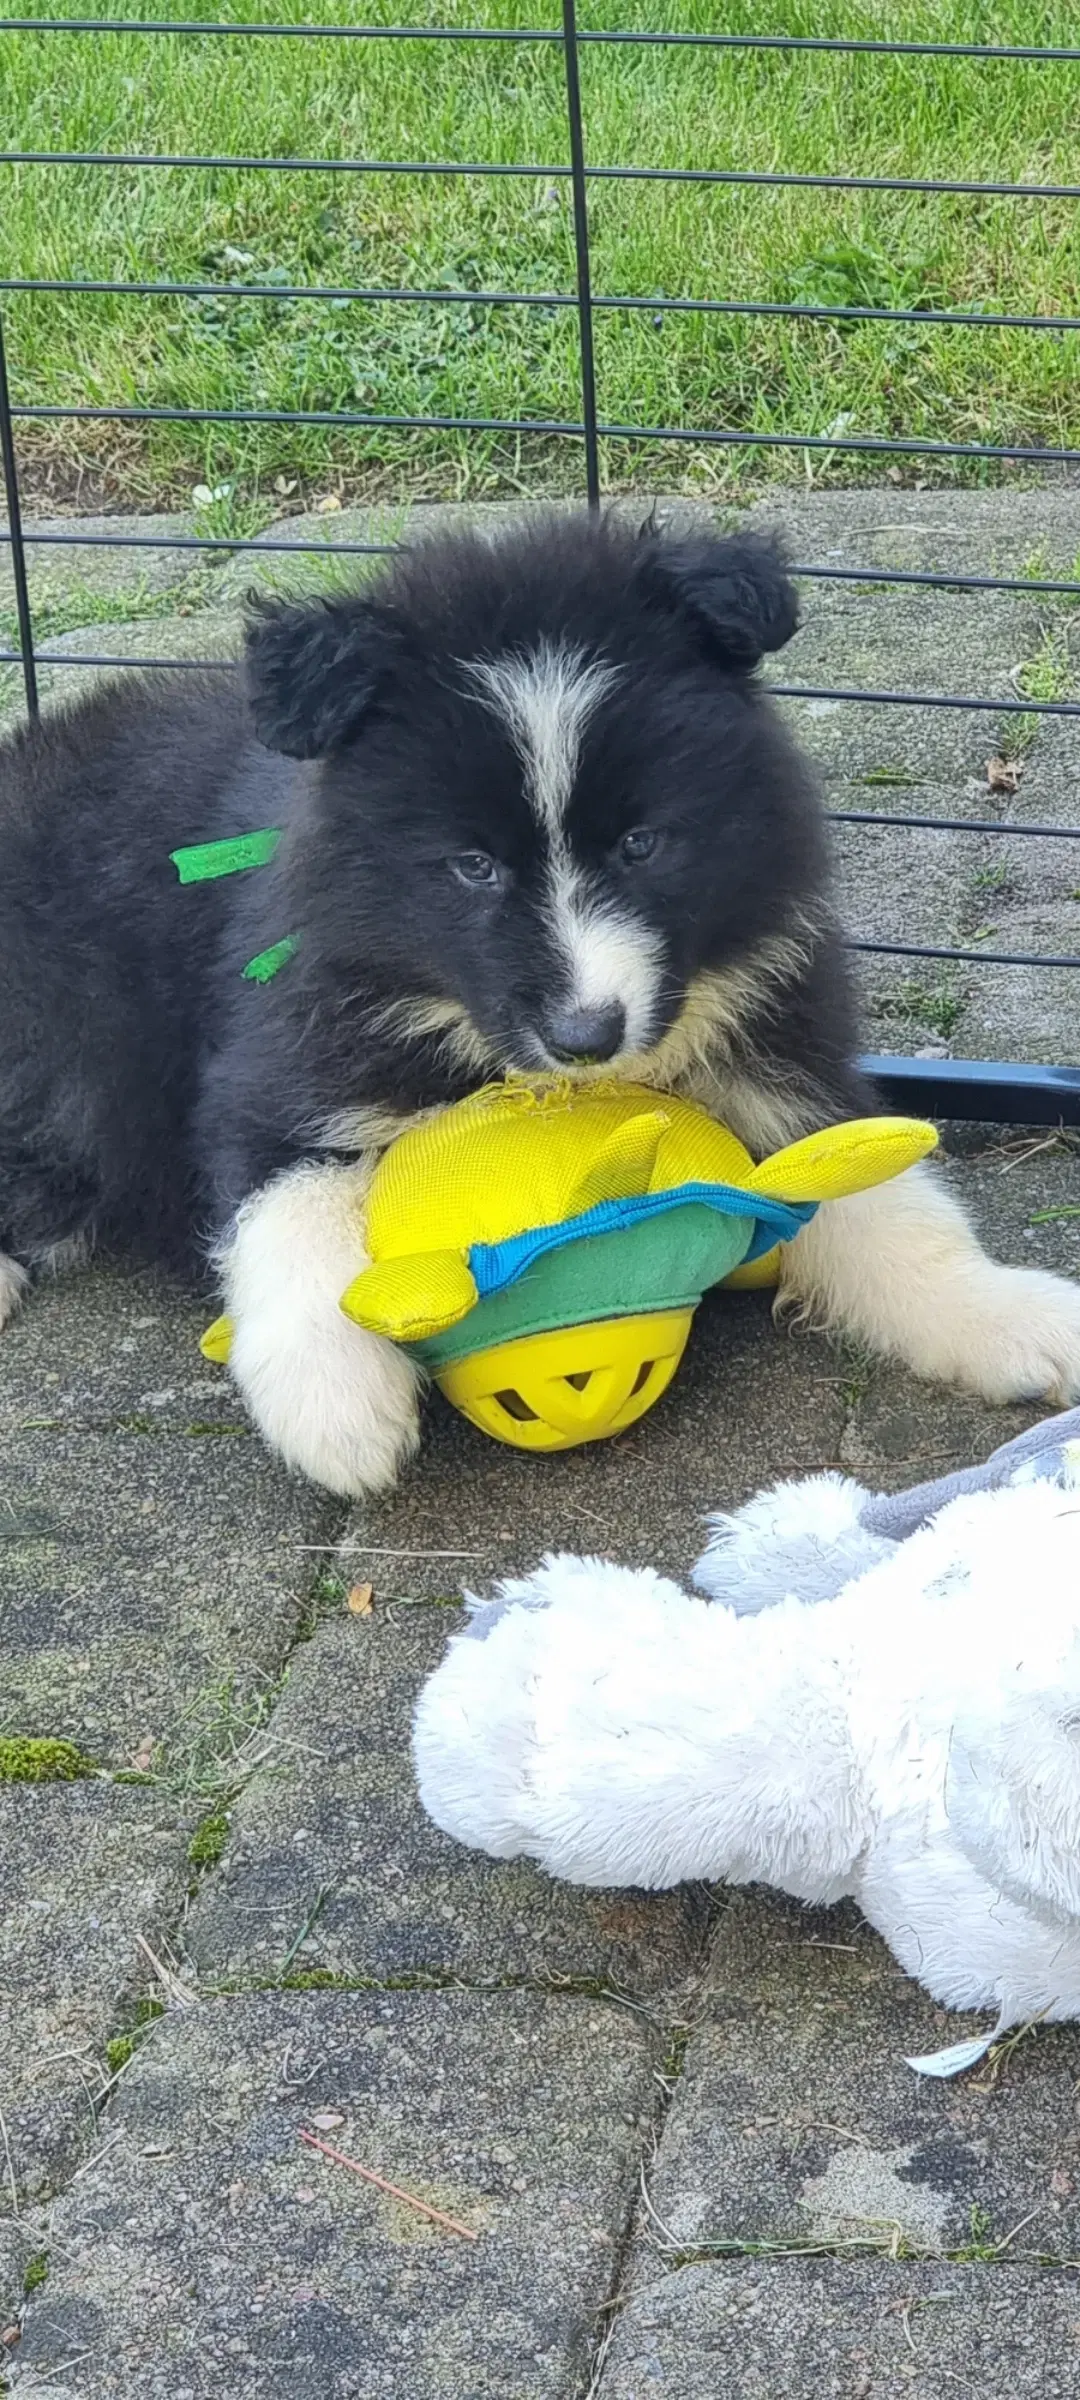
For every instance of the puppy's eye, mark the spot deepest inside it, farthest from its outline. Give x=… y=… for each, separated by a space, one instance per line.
x=475 y=867
x=638 y=845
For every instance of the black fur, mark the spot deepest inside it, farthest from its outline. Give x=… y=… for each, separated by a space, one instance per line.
x=146 y=1087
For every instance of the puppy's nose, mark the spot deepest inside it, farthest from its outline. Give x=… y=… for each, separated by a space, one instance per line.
x=580 y=1033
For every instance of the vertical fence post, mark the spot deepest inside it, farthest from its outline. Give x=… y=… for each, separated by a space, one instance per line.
x=581 y=252
x=18 y=552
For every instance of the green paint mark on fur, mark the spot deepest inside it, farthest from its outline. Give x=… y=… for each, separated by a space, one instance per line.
x=25 y=1759
x=203 y=862
x=260 y=969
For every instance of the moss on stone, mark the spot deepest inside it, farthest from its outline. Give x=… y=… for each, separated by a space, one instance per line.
x=37 y=2269
x=124 y=2045
x=24 y=1758
x=208 y=1840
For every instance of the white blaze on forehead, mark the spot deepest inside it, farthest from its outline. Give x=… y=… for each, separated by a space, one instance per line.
x=610 y=954
x=545 y=698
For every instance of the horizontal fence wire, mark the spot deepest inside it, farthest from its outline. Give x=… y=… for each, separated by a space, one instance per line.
x=844 y=44
x=779 y=691
x=770 y=178
x=1016 y=1094
x=656 y=304
x=950 y=580
x=703 y=437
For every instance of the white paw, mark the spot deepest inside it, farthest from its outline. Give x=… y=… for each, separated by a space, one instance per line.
x=14 y=1281
x=1008 y=1333
x=341 y=1405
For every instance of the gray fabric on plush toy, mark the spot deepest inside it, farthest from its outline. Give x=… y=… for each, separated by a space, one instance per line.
x=746 y=1580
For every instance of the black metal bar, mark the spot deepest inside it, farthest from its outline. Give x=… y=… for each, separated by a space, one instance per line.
x=966 y=958
x=942 y=580
x=537 y=171
x=845 y=45
x=993 y=708
x=1035 y=708
x=872 y=816
x=583 y=271
x=215 y=541
x=948 y=581
x=341 y=417
x=10 y=466
x=77 y=658
x=991 y=1090
x=654 y=304
x=704 y=436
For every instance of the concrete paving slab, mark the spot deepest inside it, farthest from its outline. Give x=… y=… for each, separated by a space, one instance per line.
x=330 y=1835
x=208 y=2255
x=87 y=1867
x=971 y=533
x=796 y=2118
x=208 y=633
x=850 y=2330
x=62 y=571
x=109 y=1344
x=749 y=1402
x=140 y=1574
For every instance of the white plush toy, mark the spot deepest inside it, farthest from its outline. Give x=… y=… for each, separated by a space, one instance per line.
x=911 y=1740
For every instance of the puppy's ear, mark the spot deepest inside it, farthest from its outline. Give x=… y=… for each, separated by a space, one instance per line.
x=313 y=670
x=735 y=593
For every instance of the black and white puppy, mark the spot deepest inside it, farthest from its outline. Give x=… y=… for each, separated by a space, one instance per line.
x=536 y=814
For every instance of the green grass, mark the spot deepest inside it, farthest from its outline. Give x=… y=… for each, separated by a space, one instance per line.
x=503 y=103
x=79 y=606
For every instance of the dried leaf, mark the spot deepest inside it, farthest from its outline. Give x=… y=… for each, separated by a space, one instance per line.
x=361 y=1600
x=328 y=505
x=1003 y=774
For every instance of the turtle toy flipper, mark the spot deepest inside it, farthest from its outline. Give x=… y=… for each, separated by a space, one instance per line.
x=843 y=1159
x=412 y=1298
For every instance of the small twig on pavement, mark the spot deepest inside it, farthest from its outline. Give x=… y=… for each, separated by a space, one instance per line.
x=375 y=1550
x=176 y=1991
x=9 y=2165
x=437 y=2215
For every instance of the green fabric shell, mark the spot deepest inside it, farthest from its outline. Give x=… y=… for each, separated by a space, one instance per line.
x=663 y=1262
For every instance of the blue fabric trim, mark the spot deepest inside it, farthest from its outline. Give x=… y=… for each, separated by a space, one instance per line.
x=496 y=1264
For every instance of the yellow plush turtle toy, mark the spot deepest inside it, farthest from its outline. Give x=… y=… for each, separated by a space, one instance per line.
x=541 y=1250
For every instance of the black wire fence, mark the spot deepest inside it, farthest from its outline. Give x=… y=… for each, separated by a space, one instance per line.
x=965 y=1088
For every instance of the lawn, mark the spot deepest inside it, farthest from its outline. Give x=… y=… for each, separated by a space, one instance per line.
x=504 y=103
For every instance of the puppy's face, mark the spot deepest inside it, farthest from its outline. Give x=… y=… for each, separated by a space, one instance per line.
x=549 y=796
